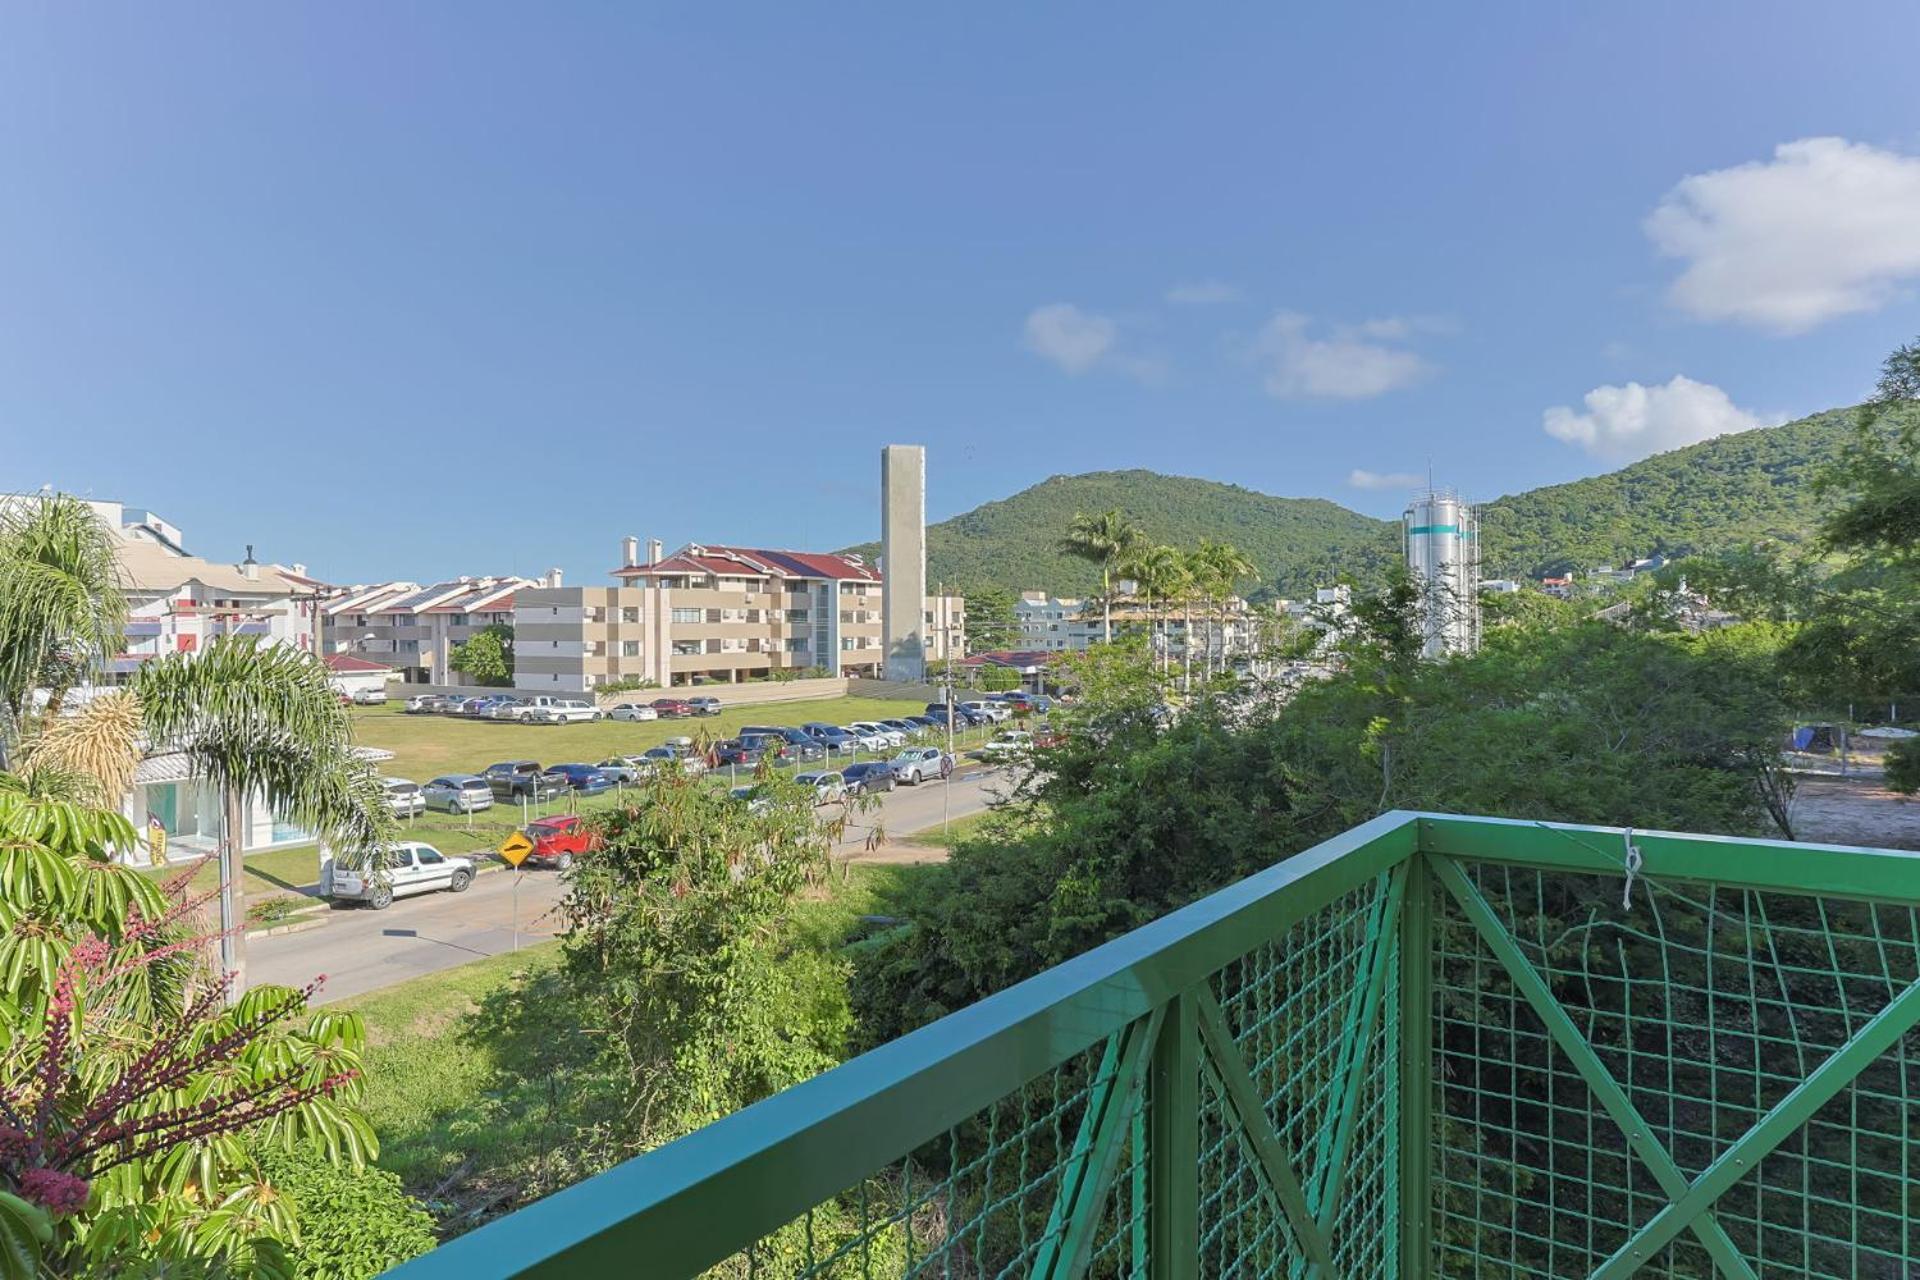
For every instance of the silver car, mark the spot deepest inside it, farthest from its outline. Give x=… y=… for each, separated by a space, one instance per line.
x=459 y=793
x=405 y=798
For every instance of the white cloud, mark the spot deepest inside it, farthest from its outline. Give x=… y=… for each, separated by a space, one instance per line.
x=1825 y=228
x=1622 y=424
x=1361 y=478
x=1345 y=364
x=1071 y=338
x=1201 y=292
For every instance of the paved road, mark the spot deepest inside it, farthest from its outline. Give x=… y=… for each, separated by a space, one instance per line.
x=361 y=950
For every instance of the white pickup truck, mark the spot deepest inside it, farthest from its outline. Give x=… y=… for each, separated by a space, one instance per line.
x=545 y=709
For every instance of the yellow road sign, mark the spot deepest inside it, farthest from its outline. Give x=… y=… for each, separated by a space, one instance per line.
x=515 y=848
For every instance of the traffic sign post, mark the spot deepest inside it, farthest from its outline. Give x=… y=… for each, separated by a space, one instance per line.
x=514 y=850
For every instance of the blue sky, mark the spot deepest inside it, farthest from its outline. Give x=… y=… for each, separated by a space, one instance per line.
x=410 y=290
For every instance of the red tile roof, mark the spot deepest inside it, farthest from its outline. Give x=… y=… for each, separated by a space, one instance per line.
x=345 y=664
x=737 y=561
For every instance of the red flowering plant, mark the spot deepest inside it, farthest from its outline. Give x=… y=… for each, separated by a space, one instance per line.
x=132 y=1094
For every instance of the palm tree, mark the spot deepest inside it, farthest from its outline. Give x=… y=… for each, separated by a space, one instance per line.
x=62 y=612
x=1161 y=572
x=256 y=720
x=1107 y=539
x=1220 y=567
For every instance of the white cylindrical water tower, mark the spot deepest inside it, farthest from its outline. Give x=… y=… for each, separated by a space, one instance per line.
x=1441 y=532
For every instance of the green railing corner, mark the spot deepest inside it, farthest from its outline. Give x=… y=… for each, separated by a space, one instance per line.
x=1433 y=1045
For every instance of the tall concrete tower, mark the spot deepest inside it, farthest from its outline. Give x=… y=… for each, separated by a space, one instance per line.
x=1441 y=531
x=903 y=560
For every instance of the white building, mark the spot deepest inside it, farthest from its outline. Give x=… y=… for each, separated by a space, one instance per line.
x=414 y=628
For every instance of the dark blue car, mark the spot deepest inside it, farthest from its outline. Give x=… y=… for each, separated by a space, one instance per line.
x=584 y=778
x=871 y=775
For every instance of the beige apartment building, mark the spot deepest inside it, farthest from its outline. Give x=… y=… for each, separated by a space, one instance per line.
x=714 y=615
x=415 y=628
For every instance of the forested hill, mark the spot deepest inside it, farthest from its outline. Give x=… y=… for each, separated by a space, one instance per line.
x=1296 y=542
x=1734 y=489
x=1721 y=492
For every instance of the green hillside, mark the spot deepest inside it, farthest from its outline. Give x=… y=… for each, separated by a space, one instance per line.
x=1758 y=484
x=1296 y=542
x=1721 y=492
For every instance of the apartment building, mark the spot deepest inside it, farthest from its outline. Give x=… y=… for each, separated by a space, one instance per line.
x=714 y=615
x=1057 y=624
x=415 y=628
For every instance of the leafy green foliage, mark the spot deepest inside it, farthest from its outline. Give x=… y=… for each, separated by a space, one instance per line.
x=353 y=1224
x=991 y=620
x=1584 y=723
x=486 y=657
x=61 y=610
x=129 y=1089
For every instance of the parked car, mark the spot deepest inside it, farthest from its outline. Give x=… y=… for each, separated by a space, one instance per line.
x=557 y=839
x=827 y=785
x=1008 y=744
x=744 y=752
x=831 y=736
x=754 y=797
x=672 y=708
x=987 y=712
x=584 y=778
x=907 y=729
x=504 y=709
x=405 y=798
x=342 y=697
x=458 y=793
x=521 y=779
x=411 y=867
x=477 y=706
x=369 y=697
x=771 y=746
x=871 y=729
x=632 y=711
x=704 y=706
x=916 y=764
x=670 y=757
x=961 y=715
x=928 y=724
x=867 y=777
x=421 y=703
x=801 y=745
x=628 y=769
x=546 y=709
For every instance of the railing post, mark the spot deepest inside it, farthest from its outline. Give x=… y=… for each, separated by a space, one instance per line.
x=1416 y=1070
x=1173 y=1100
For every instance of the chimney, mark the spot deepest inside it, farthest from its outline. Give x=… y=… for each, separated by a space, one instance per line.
x=300 y=569
x=655 y=548
x=553 y=577
x=250 y=568
x=629 y=551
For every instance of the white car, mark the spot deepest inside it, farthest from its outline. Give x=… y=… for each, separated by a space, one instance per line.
x=633 y=711
x=369 y=697
x=405 y=798
x=1008 y=744
x=459 y=793
x=420 y=702
x=868 y=741
x=872 y=729
x=546 y=709
x=411 y=868
x=827 y=786
x=992 y=711
x=504 y=709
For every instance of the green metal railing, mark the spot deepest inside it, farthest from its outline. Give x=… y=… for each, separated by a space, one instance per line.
x=1434 y=1046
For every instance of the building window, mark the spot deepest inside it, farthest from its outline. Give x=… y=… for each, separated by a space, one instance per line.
x=629 y=615
x=629 y=648
x=458 y=620
x=796 y=644
x=796 y=615
x=689 y=615
x=686 y=648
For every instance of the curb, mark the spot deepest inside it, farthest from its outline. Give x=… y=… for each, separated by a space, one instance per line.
x=298 y=927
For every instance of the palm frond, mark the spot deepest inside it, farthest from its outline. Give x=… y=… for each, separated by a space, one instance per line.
x=60 y=593
x=99 y=741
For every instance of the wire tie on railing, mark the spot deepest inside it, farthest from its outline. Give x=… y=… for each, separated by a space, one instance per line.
x=1634 y=863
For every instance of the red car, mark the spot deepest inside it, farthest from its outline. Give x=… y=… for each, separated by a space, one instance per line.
x=557 y=839
x=674 y=708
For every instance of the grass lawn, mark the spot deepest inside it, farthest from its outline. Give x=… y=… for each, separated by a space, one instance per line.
x=426 y=746
x=271 y=871
x=448 y=1125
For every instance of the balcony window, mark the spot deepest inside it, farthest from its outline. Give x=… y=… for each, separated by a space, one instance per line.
x=688 y=615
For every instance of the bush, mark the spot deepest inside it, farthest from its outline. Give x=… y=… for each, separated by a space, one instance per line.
x=352 y=1225
x=627 y=685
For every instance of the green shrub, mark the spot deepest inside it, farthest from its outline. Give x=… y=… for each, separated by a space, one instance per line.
x=352 y=1224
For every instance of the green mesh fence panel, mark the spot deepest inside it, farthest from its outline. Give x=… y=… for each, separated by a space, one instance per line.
x=985 y=1200
x=1709 y=1006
